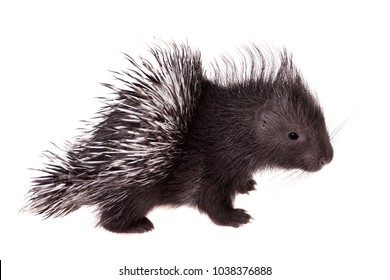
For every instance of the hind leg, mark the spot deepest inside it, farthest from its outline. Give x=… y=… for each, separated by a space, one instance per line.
x=137 y=226
x=126 y=219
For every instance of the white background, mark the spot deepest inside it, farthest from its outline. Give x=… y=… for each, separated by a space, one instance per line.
x=330 y=225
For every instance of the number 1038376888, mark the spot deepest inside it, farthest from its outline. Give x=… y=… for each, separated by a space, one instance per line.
x=242 y=270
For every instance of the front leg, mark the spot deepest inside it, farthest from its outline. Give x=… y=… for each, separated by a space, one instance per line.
x=217 y=201
x=247 y=187
x=233 y=217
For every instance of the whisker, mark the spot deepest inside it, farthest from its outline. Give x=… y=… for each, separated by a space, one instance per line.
x=335 y=132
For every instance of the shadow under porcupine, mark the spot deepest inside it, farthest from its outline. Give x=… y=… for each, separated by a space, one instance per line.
x=173 y=136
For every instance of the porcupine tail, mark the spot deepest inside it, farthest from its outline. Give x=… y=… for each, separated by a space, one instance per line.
x=135 y=141
x=56 y=191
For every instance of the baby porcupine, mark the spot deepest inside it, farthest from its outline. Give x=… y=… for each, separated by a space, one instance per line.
x=173 y=136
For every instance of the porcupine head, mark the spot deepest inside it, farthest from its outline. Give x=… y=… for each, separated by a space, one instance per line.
x=174 y=136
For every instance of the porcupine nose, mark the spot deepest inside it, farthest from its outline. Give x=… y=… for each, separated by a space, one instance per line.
x=327 y=157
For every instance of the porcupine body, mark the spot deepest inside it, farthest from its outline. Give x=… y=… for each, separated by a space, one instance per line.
x=173 y=136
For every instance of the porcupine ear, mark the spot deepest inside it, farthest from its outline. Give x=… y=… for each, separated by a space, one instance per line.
x=268 y=116
x=263 y=115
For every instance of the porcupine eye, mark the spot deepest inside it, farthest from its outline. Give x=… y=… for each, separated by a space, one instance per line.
x=293 y=136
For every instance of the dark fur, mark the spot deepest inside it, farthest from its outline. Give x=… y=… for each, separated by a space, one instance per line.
x=235 y=127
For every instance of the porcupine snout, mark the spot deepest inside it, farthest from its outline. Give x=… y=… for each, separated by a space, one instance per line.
x=327 y=157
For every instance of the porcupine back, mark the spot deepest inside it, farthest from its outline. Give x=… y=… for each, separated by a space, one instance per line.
x=134 y=143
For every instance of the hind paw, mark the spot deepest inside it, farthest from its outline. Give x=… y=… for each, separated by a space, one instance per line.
x=139 y=226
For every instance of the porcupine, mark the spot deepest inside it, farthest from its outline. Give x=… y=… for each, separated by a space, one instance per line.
x=174 y=136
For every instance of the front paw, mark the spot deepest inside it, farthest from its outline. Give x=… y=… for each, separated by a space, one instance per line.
x=249 y=186
x=232 y=217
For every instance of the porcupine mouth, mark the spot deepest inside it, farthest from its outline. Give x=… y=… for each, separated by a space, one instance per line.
x=313 y=168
